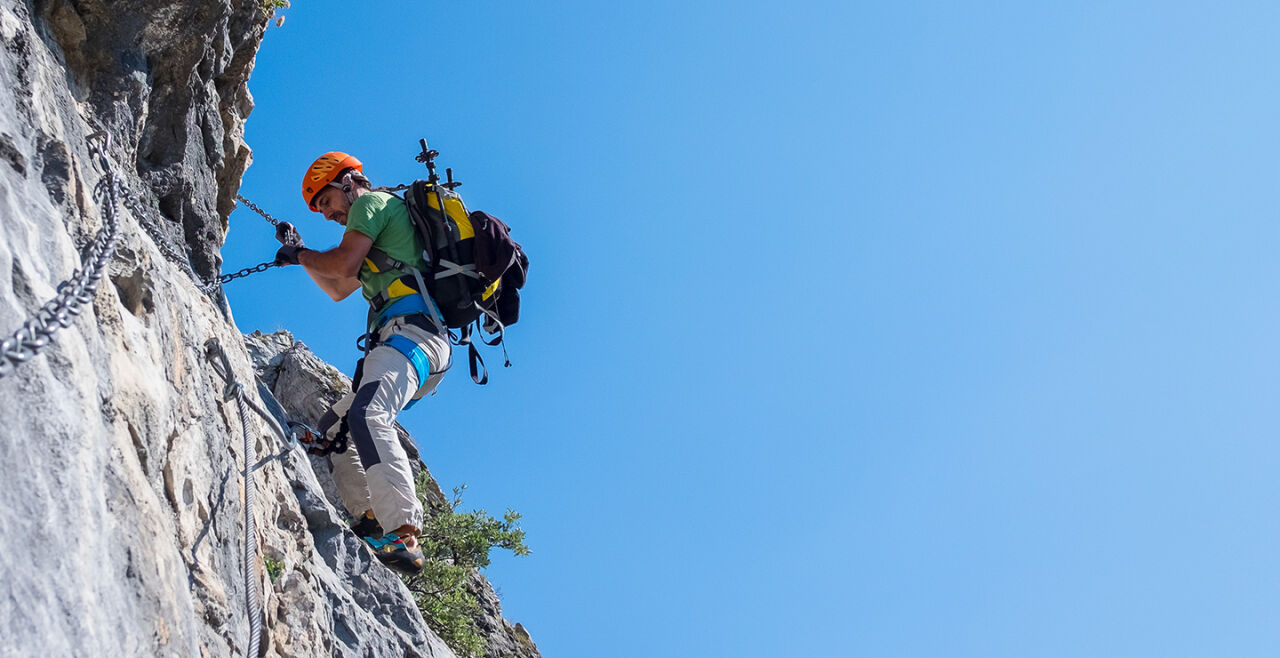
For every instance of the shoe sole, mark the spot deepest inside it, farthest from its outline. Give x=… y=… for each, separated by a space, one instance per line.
x=406 y=566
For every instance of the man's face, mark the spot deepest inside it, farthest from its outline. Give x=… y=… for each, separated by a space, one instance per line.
x=332 y=203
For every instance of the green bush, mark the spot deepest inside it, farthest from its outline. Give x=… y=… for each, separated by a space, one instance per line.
x=454 y=545
x=274 y=567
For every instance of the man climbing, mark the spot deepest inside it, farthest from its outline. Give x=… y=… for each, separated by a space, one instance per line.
x=406 y=349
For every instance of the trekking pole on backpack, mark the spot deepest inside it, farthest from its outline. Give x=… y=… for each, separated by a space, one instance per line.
x=428 y=157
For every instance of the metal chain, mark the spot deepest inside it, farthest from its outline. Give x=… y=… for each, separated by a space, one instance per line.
x=38 y=331
x=206 y=286
x=183 y=261
x=254 y=207
x=260 y=267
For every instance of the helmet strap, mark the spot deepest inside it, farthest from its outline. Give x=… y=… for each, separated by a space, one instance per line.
x=347 y=186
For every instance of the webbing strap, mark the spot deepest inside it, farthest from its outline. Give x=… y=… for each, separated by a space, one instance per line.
x=383 y=262
x=416 y=356
x=406 y=305
x=381 y=299
x=487 y=320
x=450 y=268
x=479 y=373
x=431 y=304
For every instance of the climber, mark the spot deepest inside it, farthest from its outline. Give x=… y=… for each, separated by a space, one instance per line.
x=406 y=349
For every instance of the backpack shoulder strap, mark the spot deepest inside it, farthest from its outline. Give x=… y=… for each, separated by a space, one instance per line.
x=381 y=261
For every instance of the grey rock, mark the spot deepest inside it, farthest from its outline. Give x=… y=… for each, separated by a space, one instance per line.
x=502 y=638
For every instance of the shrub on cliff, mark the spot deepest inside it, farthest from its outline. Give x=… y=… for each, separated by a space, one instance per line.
x=456 y=544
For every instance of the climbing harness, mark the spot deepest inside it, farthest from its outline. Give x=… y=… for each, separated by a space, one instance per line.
x=234 y=389
x=38 y=332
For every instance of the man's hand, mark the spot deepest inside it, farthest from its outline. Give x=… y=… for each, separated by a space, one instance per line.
x=335 y=270
x=286 y=233
x=288 y=254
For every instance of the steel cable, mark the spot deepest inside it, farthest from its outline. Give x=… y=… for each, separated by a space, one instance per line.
x=234 y=389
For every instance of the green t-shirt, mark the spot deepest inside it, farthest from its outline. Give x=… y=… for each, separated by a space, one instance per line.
x=384 y=218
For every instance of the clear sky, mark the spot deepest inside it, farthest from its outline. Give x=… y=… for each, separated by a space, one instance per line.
x=852 y=329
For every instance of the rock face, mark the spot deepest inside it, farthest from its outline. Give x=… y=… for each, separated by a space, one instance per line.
x=121 y=461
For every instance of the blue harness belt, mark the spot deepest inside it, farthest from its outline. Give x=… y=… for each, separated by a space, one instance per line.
x=406 y=305
x=415 y=355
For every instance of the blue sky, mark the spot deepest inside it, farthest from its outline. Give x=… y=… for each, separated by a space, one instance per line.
x=857 y=329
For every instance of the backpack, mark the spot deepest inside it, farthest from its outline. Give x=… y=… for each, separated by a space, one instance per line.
x=473 y=269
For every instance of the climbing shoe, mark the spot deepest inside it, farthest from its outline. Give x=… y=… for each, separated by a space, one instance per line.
x=367 y=528
x=391 y=551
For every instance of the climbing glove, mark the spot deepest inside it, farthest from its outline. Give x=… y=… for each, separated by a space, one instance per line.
x=288 y=254
x=286 y=233
x=292 y=241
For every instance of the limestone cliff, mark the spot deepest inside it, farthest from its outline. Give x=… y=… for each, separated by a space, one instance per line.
x=121 y=461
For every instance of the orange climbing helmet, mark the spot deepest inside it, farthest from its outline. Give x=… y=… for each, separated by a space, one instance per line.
x=325 y=170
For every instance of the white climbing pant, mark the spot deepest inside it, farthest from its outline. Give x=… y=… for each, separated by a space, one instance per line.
x=374 y=473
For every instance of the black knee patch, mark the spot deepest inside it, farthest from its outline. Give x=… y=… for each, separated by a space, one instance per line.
x=358 y=424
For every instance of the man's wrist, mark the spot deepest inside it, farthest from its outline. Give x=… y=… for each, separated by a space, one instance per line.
x=288 y=254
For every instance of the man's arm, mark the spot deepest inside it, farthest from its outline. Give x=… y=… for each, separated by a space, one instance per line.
x=335 y=270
